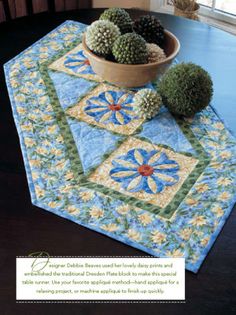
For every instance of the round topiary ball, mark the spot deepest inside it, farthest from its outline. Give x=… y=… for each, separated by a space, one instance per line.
x=100 y=36
x=186 y=89
x=147 y=103
x=155 y=53
x=130 y=48
x=119 y=17
x=150 y=28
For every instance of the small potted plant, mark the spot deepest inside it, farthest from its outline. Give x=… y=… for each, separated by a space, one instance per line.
x=186 y=8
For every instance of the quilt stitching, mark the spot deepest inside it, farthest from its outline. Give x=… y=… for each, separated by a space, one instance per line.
x=165 y=210
x=200 y=216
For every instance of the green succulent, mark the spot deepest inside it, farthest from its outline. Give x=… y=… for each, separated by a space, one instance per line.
x=147 y=103
x=130 y=48
x=119 y=17
x=150 y=28
x=186 y=89
x=100 y=37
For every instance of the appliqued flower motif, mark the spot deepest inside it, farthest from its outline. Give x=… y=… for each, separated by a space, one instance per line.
x=78 y=63
x=111 y=107
x=188 y=233
x=141 y=170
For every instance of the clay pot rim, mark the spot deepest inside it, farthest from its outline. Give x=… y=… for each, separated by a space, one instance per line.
x=143 y=65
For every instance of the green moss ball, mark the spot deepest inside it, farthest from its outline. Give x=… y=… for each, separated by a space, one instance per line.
x=130 y=48
x=100 y=37
x=119 y=17
x=186 y=89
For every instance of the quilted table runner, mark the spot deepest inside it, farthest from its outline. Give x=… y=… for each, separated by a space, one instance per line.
x=165 y=186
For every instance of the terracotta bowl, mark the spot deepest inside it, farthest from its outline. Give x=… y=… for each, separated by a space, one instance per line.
x=124 y=75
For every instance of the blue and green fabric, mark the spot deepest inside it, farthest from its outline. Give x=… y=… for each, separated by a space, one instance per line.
x=164 y=186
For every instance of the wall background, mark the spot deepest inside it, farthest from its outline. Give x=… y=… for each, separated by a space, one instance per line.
x=18 y=7
x=141 y=4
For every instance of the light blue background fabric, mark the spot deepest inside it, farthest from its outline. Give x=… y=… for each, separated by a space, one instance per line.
x=163 y=129
x=69 y=88
x=91 y=143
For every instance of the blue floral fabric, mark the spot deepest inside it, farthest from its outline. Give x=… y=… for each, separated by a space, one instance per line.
x=111 y=106
x=198 y=220
x=78 y=62
x=148 y=171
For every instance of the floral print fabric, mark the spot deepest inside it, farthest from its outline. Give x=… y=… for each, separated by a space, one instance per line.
x=198 y=219
x=111 y=106
x=78 y=63
x=142 y=170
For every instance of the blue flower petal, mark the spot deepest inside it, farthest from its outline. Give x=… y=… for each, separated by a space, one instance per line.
x=115 y=171
x=72 y=61
x=98 y=114
x=125 y=118
x=92 y=101
x=128 y=100
x=152 y=183
x=159 y=185
x=137 y=188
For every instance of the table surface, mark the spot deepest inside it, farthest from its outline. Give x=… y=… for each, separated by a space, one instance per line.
x=25 y=228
